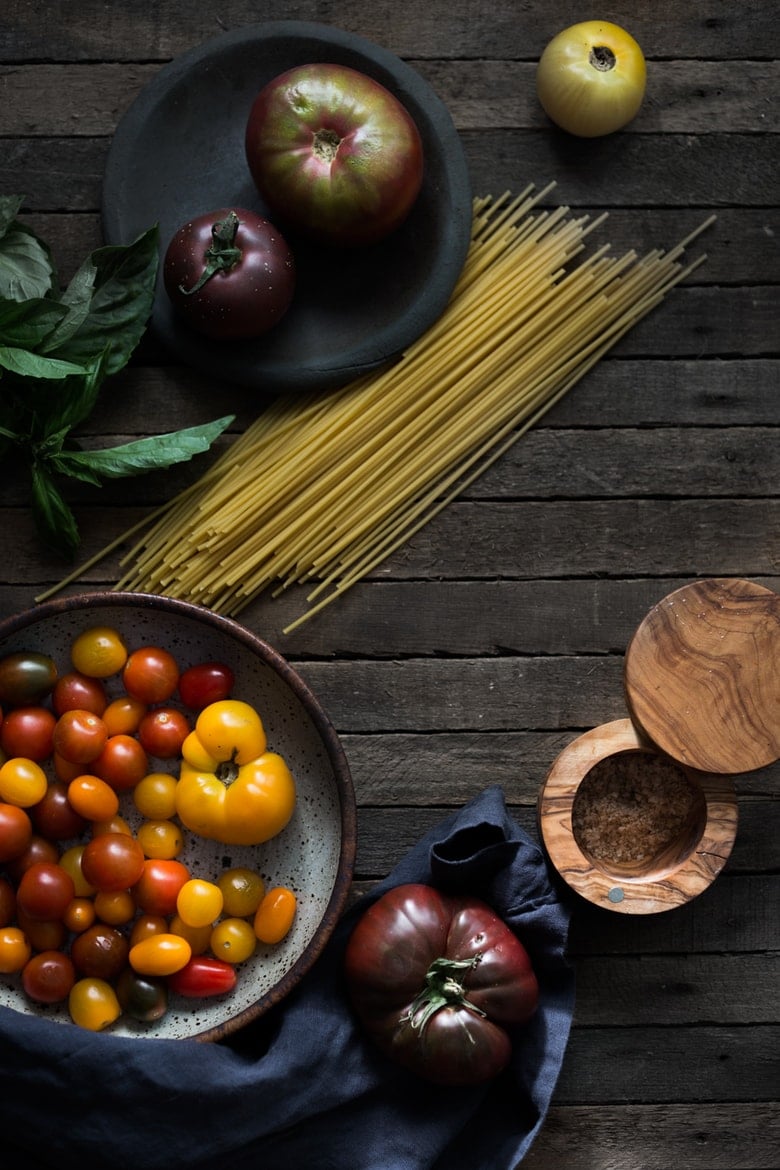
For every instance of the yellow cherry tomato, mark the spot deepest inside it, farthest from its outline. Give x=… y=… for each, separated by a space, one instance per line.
x=22 y=782
x=199 y=902
x=71 y=863
x=15 y=950
x=161 y=954
x=242 y=891
x=160 y=839
x=198 y=937
x=233 y=940
x=155 y=796
x=93 y=1004
x=115 y=907
x=591 y=78
x=98 y=652
x=275 y=915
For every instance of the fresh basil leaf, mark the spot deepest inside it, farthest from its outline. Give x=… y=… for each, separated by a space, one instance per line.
x=65 y=410
x=121 y=303
x=10 y=206
x=54 y=519
x=156 y=452
x=26 y=324
x=75 y=302
x=33 y=365
x=26 y=267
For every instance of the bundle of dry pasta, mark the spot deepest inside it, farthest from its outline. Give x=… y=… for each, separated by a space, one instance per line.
x=323 y=488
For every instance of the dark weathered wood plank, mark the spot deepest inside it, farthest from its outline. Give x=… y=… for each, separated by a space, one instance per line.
x=452 y=28
x=683 y=97
x=66 y=173
x=726 y=1136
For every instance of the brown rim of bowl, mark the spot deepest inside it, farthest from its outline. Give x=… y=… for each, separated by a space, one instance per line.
x=327 y=732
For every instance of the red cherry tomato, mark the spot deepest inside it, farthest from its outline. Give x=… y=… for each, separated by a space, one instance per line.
x=205 y=683
x=158 y=886
x=54 y=817
x=48 y=977
x=162 y=731
x=79 y=736
x=74 y=691
x=39 y=848
x=28 y=732
x=203 y=977
x=150 y=674
x=112 y=861
x=122 y=762
x=15 y=831
x=45 y=892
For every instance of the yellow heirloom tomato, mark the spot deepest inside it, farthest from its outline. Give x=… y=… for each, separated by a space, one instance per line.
x=591 y=78
x=231 y=788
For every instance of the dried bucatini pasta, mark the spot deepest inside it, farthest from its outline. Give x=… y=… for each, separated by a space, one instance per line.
x=324 y=487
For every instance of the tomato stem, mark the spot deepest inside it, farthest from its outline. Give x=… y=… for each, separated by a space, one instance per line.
x=442 y=989
x=222 y=253
x=602 y=58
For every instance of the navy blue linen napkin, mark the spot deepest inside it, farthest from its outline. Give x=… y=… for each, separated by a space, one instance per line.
x=302 y=1088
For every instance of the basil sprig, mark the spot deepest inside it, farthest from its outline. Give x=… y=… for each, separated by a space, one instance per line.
x=57 y=346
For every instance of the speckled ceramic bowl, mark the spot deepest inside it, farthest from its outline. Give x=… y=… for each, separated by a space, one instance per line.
x=314 y=854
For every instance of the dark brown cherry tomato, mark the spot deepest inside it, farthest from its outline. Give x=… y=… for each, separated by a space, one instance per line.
x=15 y=831
x=162 y=731
x=29 y=732
x=112 y=861
x=54 y=817
x=204 y=683
x=26 y=677
x=229 y=274
x=79 y=736
x=7 y=902
x=122 y=762
x=100 y=951
x=38 y=849
x=150 y=674
x=43 y=935
x=45 y=892
x=74 y=691
x=48 y=977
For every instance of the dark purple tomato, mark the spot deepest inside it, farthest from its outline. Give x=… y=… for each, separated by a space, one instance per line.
x=204 y=683
x=230 y=274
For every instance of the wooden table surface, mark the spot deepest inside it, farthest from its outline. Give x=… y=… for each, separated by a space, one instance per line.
x=496 y=636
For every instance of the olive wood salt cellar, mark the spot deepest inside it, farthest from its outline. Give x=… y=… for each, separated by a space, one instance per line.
x=639 y=815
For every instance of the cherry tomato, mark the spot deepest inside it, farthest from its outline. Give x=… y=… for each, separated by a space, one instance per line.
x=122 y=762
x=591 y=78
x=233 y=940
x=162 y=731
x=66 y=770
x=150 y=674
x=203 y=977
x=80 y=915
x=155 y=796
x=92 y=798
x=71 y=863
x=142 y=998
x=229 y=273
x=116 y=824
x=199 y=902
x=275 y=915
x=205 y=683
x=334 y=153
x=79 y=736
x=48 y=977
x=15 y=950
x=115 y=907
x=157 y=889
x=15 y=831
x=38 y=849
x=29 y=732
x=242 y=891
x=112 y=861
x=99 y=652
x=93 y=1004
x=26 y=677
x=7 y=902
x=22 y=782
x=147 y=925
x=198 y=937
x=54 y=816
x=160 y=839
x=100 y=951
x=45 y=891
x=74 y=691
x=123 y=716
x=43 y=934
x=162 y=954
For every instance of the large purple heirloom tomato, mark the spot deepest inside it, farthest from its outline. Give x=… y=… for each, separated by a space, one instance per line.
x=334 y=154
x=230 y=273
x=440 y=983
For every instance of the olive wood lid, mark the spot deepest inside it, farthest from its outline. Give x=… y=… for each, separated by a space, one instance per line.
x=702 y=675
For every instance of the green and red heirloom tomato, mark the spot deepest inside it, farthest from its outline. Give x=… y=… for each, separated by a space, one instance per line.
x=230 y=274
x=26 y=677
x=334 y=154
x=591 y=78
x=440 y=983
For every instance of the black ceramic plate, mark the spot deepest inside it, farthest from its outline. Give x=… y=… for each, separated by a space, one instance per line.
x=179 y=151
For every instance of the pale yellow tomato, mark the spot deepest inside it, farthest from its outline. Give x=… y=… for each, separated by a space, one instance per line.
x=591 y=78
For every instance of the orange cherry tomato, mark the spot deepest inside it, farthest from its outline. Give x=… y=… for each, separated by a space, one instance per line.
x=93 y=798
x=275 y=915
